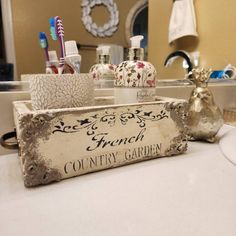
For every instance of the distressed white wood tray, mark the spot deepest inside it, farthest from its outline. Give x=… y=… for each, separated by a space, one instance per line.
x=57 y=144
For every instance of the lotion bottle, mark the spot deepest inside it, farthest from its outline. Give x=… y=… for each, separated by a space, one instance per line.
x=103 y=72
x=135 y=79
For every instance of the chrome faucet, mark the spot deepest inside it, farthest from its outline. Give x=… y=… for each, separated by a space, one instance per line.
x=180 y=53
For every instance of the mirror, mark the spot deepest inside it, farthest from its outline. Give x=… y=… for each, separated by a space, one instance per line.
x=137 y=22
x=7 y=70
x=17 y=28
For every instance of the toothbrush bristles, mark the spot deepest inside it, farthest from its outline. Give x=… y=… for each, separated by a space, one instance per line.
x=59 y=27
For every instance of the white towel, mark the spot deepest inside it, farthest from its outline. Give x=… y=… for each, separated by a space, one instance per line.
x=182 y=20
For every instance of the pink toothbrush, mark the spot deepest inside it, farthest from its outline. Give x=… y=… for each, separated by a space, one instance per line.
x=59 y=30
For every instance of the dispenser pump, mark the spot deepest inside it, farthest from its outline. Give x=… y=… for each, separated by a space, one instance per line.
x=136 y=41
x=136 y=52
x=104 y=56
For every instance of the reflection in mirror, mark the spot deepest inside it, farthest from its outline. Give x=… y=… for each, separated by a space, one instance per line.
x=17 y=18
x=137 y=22
x=8 y=60
x=6 y=69
x=140 y=26
x=2 y=51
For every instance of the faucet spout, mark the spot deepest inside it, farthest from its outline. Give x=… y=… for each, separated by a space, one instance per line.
x=179 y=53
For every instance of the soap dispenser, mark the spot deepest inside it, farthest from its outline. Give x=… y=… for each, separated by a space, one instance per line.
x=103 y=72
x=135 y=79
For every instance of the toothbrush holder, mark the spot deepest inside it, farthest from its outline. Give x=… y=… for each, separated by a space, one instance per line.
x=52 y=91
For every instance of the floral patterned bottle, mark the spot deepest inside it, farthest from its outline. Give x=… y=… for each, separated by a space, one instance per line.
x=135 y=79
x=103 y=72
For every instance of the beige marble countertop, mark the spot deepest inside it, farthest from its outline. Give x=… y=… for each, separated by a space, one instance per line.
x=186 y=195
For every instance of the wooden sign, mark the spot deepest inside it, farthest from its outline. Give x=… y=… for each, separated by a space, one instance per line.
x=61 y=143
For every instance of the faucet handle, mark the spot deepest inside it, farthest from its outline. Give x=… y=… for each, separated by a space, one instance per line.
x=195 y=58
x=176 y=54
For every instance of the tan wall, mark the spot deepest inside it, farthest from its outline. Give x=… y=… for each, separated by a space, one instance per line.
x=30 y=17
x=216 y=21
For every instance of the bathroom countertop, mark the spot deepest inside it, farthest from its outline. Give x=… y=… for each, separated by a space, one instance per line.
x=185 y=195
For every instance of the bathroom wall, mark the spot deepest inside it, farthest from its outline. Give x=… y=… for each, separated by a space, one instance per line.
x=30 y=17
x=217 y=35
x=216 y=24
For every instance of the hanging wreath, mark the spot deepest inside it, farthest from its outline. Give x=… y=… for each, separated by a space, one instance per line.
x=108 y=28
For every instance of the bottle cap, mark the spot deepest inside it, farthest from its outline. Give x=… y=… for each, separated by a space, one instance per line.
x=52 y=56
x=71 y=48
x=103 y=54
x=98 y=49
x=136 y=40
x=105 y=50
x=136 y=52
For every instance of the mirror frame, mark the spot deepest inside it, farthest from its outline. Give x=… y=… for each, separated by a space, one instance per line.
x=133 y=13
x=7 y=21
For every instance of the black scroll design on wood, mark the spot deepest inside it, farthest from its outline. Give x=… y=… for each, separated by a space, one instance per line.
x=91 y=123
x=142 y=116
x=81 y=124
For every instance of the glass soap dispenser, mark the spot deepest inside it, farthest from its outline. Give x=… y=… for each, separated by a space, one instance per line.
x=103 y=72
x=135 y=79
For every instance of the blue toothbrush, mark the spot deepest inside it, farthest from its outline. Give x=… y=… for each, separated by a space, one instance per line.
x=44 y=44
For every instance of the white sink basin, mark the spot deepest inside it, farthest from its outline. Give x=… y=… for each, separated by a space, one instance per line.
x=227 y=145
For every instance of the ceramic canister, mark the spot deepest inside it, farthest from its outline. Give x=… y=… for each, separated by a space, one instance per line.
x=53 y=91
